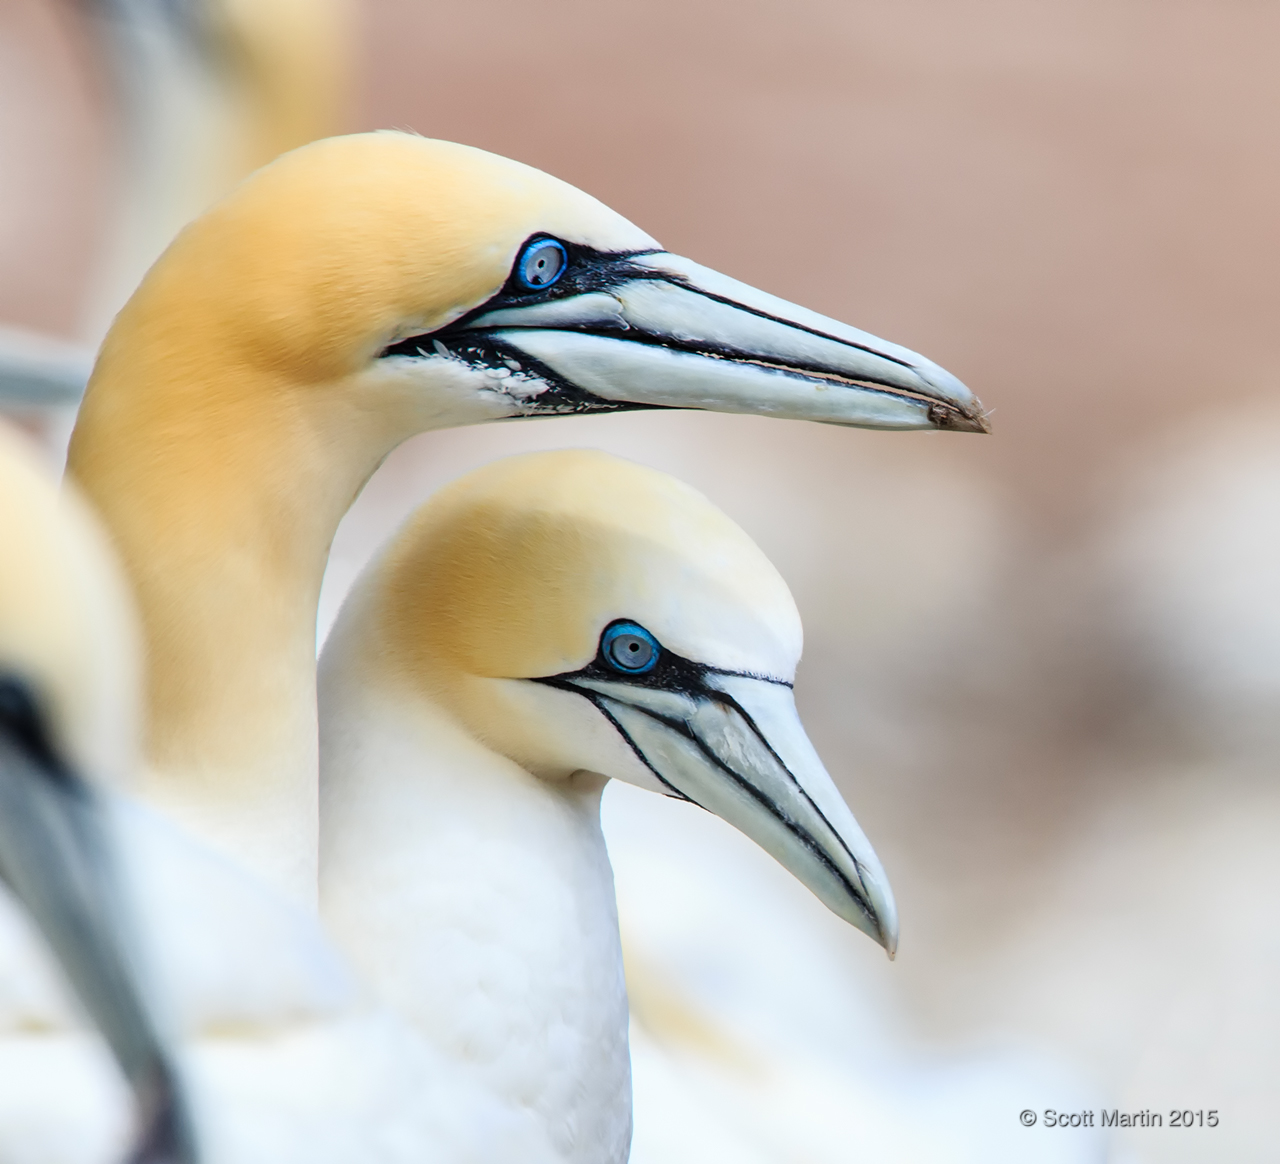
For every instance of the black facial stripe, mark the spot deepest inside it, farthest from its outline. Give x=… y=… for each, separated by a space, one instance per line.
x=479 y=349
x=672 y=790
x=587 y=270
x=672 y=672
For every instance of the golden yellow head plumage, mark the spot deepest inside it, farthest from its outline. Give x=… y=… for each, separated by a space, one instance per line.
x=514 y=571
x=320 y=259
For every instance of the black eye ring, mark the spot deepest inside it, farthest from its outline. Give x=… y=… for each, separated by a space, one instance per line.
x=541 y=264
x=629 y=648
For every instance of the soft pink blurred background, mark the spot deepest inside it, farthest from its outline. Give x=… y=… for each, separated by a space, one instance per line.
x=1045 y=664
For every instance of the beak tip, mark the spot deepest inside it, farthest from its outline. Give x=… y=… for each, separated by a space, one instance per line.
x=884 y=914
x=955 y=408
x=949 y=417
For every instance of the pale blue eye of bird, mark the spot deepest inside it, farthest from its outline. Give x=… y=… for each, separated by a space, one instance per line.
x=541 y=264
x=628 y=647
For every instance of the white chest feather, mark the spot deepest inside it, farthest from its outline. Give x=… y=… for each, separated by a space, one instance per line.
x=477 y=902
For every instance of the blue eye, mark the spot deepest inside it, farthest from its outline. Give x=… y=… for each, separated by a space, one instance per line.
x=627 y=646
x=541 y=263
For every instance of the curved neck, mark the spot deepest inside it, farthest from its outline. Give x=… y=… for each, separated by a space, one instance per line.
x=477 y=902
x=222 y=497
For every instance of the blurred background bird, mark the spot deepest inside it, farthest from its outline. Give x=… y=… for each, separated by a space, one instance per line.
x=68 y=702
x=1043 y=694
x=193 y=95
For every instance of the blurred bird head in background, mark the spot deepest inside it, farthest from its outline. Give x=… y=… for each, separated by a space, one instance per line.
x=577 y=612
x=206 y=91
x=67 y=636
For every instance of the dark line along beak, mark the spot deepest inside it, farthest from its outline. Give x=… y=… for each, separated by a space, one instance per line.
x=658 y=330
x=737 y=748
x=56 y=856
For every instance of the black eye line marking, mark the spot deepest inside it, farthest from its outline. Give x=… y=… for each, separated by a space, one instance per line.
x=478 y=349
x=587 y=270
x=671 y=672
x=598 y=703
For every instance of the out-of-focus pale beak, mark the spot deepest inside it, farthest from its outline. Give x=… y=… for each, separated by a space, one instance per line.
x=56 y=855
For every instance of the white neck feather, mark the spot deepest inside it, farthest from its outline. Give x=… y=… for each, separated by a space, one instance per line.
x=477 y=901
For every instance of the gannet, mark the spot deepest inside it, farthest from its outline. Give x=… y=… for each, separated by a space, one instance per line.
x=350 y=294
x=67 y=691
x=542 y=625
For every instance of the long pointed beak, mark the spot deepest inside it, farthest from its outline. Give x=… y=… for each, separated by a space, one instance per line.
x=56 y=856
x=661 y=331
x=740 y=751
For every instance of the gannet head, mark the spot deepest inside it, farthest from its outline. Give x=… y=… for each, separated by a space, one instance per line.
x=577 y=612
x=465 y=287
x=68 y=722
